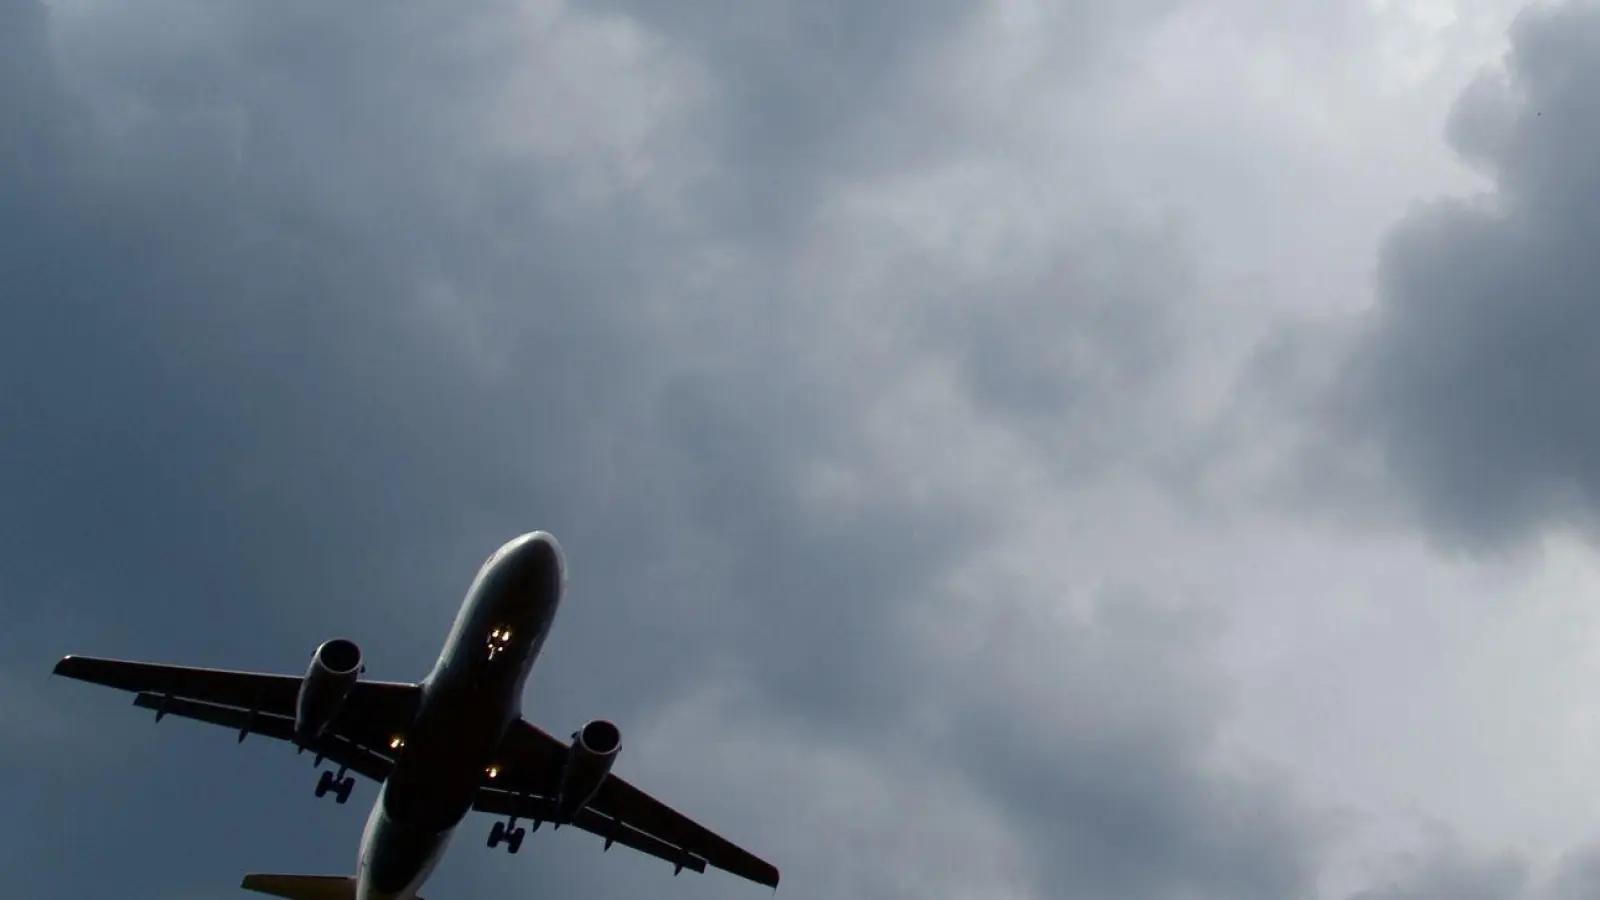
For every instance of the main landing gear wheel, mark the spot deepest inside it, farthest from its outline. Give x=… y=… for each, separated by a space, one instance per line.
x=341 y=785
x=509 y=833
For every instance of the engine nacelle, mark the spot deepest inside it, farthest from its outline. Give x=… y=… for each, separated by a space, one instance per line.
x=334 y=668
x=594 y=748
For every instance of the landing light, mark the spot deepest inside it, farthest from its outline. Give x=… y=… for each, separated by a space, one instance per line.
x=396 y=742
x=494 y=771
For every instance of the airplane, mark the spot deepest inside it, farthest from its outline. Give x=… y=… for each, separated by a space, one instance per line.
x=454 y=742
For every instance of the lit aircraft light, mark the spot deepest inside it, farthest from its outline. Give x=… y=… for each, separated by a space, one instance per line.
x=494 y=771
x=396 y=742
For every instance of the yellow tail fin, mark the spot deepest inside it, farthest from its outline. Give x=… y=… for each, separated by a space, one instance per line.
x=303 y=887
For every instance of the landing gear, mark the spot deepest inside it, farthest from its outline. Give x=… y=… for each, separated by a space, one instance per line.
x=509 y=833
x=341 y=785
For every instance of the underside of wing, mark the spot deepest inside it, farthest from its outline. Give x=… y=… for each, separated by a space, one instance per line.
x=623 y=802
x=358 y=737
x=540 y=810
x=528 y=782
x=271 y=694
x=374 y=764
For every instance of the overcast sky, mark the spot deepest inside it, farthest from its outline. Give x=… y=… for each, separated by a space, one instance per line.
x=1111 y=449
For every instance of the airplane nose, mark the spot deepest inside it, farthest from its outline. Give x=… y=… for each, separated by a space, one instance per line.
x=541 y=556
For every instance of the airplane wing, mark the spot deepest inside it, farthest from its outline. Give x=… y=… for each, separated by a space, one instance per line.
x=528 y=781
x=259 y=703
x=539 y=809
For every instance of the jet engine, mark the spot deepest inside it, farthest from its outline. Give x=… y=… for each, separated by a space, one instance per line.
x=594 y=749
x=334 y=668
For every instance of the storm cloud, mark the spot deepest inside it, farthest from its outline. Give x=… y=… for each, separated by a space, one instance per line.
x=828 y=338
x=306 y=311
x=1474 y=373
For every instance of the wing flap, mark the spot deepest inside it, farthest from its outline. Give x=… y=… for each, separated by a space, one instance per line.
x=532 y=765
x=540 y=809
x=357 y=759
x=241 y=720
x=624 y=802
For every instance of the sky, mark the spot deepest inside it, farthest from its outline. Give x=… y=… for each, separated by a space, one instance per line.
x=1107 y=450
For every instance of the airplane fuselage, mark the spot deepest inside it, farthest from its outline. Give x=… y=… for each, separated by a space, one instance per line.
x=469 y=700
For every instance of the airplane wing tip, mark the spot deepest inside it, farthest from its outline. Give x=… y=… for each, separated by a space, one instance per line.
x=765 y=874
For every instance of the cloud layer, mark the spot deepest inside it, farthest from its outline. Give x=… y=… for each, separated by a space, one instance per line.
x=867 y=360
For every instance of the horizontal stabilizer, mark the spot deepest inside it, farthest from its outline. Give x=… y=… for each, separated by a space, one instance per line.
x=303 y=887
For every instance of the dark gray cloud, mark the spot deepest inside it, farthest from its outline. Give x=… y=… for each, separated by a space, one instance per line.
x=808 y=93
x=1474 y=376
x=286 y=350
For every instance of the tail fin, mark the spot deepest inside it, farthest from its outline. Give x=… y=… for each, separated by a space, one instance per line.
x=303 y=887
